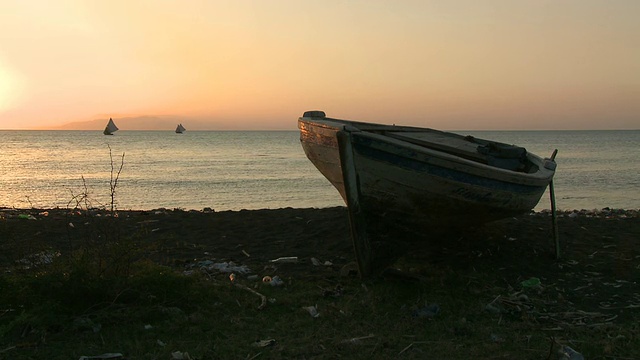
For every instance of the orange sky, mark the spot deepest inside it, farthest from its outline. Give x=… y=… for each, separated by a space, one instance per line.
x=539 y=64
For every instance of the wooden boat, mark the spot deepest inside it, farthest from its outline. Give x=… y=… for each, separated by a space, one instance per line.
x=402 y=183
x=180 y=129
x=110 y=128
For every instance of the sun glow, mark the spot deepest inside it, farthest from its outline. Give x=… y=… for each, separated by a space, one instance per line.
x=9 y=88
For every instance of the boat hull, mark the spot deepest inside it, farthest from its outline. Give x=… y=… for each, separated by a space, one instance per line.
x=398 y=193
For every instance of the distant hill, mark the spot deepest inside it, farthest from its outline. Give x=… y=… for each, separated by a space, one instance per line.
x=138 y=123
x=170 y=123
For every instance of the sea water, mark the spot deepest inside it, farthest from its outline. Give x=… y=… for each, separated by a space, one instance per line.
x=233 y=170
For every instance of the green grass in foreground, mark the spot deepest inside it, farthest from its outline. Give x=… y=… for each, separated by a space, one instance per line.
x=64 y=314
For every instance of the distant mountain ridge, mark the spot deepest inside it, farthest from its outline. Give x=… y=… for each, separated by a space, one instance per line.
x=169 y=123
x=138 y=123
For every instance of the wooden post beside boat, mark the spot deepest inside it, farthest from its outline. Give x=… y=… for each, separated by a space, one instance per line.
x=554 y=220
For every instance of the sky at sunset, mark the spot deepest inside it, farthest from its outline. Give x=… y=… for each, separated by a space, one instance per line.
x=467 y=64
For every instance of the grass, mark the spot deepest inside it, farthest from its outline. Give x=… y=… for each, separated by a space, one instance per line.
x=67 y=311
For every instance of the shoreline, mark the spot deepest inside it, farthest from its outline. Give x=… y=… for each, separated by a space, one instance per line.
x=301 y=232
x=602 y=212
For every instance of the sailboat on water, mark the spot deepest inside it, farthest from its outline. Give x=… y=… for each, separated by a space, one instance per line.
x=110 y=128
x=180 y=129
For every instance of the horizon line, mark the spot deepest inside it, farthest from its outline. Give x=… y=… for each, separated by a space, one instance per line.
x=202 y=130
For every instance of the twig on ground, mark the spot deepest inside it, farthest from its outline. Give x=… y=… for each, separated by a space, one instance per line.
x=7 y=349
x=263 y=304
x=414 y=343
x=405 y=349
x=356 y=339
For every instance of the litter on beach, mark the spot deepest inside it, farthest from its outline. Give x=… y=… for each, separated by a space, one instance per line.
x=225 y=267
x=287 y=259
x=103 y=356
x=313 y=310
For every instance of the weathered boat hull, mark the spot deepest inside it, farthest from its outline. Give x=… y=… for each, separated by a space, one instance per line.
x=397 y=192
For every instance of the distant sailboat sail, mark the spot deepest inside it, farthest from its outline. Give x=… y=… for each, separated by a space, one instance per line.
x=110 y=128
x=180 y=129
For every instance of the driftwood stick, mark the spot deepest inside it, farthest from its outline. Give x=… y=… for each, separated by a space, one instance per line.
x=356 y=339
x=7 y=349
x=263 y=304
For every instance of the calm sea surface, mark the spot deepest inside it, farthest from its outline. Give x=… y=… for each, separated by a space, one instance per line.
x=233 y=170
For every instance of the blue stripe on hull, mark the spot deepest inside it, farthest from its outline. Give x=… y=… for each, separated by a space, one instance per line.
x=365 y=147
